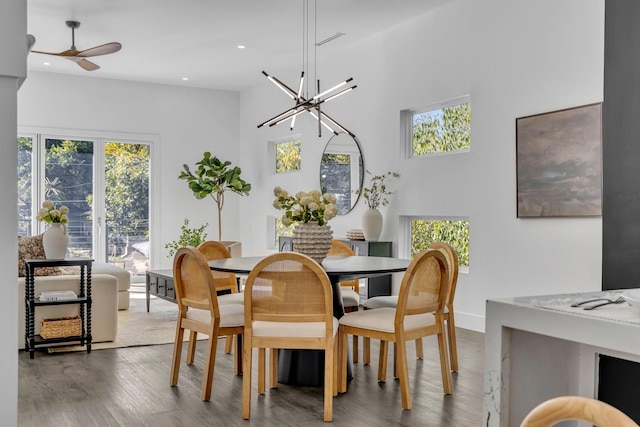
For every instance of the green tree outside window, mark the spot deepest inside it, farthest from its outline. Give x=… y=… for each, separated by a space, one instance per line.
x=454 y=232
x=444 y=130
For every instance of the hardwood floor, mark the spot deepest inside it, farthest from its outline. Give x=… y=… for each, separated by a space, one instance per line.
x=130 y=387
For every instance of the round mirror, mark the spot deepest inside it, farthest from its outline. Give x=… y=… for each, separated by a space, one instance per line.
x=342 y=170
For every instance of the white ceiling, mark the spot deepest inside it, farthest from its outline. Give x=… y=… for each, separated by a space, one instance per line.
x=166 y=40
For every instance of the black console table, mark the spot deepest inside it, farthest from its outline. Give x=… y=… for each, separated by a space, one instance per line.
x=160 y=284
x=31 y=341
x=375 y=286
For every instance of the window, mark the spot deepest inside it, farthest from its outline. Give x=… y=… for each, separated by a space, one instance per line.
x=25 y=148
x=104 y=184
x=439 y=129
x=455 y=232
x=288 y=157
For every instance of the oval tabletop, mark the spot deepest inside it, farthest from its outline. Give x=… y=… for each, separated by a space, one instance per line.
x=338 y=268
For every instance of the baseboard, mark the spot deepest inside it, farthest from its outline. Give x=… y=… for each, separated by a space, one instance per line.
x=470 y=321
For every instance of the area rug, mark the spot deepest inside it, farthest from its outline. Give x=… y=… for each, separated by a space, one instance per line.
x=136 y=327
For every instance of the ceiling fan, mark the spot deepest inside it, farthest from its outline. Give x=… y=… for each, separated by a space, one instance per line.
x=78 y=56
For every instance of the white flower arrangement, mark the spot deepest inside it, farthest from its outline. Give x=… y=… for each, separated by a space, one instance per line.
x=313 y=206
x=49 y=213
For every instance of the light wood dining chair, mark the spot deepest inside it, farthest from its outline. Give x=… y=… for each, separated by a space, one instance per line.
x=419 y=313
x=288 y=305
x=350 y=289
x=566 y=408
x=224 y=282
x=199 y=312
x=449 y=314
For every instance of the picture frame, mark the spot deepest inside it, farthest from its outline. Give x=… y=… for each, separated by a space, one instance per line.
x=559 y=163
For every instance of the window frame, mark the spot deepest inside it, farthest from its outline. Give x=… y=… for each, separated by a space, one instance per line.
x=406 y=126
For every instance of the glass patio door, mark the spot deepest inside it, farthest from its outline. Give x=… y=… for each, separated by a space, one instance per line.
x=104 y=184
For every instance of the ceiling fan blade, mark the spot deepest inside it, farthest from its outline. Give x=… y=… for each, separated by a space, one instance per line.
x=66 y=53
x=87 y=65
x=104 y=49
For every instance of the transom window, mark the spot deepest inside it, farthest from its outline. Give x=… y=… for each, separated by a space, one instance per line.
x=442 y=128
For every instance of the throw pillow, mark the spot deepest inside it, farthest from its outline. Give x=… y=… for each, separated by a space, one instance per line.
x=30 y=247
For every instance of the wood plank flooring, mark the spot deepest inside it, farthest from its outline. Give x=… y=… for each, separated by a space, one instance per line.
x=130 y=387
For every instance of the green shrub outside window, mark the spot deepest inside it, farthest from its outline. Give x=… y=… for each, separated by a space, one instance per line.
x=425 y=232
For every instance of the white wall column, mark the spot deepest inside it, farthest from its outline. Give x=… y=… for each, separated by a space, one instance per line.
x=13 y=50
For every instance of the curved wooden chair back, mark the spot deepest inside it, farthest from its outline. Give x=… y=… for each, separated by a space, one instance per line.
x=424 y=286
x=339 y=248
x=212 y=250
x=452 y=260
x=289 y=287
x=194 y=283
x=581 y=408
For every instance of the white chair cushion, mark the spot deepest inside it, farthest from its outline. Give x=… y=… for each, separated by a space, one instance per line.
x=382 y=319
x=291 y=329
x=350 y=298
x=379 y=302
x=230 y=315
x=237 y=298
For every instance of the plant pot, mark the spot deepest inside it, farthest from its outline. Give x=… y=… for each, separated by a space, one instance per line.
x=55 y=241
x=312 y=240
x=372 y=224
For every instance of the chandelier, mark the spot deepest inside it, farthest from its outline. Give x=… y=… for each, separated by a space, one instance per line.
x=302 y=101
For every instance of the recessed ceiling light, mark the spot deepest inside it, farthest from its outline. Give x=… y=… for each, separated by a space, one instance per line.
x=185 y=78
x=241 y=46
x=47 y=63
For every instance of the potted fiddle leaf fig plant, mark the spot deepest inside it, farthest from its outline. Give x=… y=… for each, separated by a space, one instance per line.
x=213 y=177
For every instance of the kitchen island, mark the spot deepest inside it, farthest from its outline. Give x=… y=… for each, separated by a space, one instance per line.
x=540 y=347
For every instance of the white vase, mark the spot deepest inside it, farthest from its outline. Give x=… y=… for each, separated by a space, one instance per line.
x=312 y=240
x=55 y=241
x=371 y=224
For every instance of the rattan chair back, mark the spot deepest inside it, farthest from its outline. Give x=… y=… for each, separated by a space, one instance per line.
x=339 y=248
x=194 y=284
x=424 y=285
x=288 y=287
x=213 y=250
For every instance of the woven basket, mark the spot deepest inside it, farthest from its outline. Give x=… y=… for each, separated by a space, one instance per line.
x=61 y=328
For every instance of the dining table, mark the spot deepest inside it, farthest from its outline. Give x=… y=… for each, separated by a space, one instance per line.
x=306 y=367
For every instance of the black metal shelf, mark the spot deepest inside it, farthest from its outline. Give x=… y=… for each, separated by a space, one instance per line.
x=31 y=303
x=79 y=300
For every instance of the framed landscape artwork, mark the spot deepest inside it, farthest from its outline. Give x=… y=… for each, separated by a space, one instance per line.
x=559 y=163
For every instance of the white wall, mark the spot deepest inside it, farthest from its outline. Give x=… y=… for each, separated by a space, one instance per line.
x=13 y=68
x=185 y=122
x=514 y=58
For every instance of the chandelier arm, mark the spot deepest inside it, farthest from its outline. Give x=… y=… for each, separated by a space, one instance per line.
x=322 y=122
x=286 y=89
x=335 y=123
x=339 y=85
x=335 y=95
x=291 y=115
x=277 y=117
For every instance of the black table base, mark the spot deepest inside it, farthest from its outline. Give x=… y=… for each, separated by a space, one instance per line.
x=305 y=367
